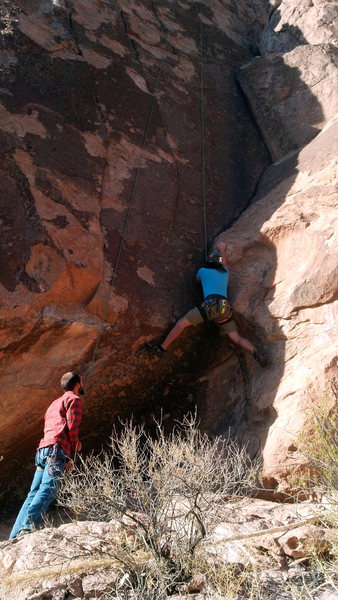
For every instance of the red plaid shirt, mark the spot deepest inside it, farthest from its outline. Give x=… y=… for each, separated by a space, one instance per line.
x=62 y=420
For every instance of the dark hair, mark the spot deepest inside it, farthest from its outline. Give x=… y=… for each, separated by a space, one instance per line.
x=69 y=381
x=218 y=266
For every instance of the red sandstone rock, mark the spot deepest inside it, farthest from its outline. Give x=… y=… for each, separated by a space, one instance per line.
x=282 y=255
x=76 y=87
x=292 y=86
x=76 y=92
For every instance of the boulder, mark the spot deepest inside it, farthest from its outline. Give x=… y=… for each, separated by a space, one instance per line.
x=282 y=251
x=284 y=281
x=60 y=559
x=291 y=25
x=305 y=542
x=292 y=86
x=292 y=95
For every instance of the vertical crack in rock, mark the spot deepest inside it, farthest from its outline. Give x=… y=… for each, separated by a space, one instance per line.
x=72 y=30
x=127 y=30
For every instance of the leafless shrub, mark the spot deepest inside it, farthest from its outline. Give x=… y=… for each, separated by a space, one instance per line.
x=167 y=494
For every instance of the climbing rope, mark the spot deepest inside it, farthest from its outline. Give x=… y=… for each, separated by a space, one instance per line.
x=203 y=143
x=131 y=200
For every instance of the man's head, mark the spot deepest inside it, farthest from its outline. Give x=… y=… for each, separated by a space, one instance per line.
x=215 y=258
x=72 y=382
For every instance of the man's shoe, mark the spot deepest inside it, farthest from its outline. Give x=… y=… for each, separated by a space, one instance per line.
x=154 y=349
x=23 y=532
x=261 y=358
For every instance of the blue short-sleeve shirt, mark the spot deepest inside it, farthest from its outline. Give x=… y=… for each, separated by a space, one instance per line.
x=214 y=281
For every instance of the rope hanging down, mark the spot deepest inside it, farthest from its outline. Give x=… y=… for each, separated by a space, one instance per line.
x=131 y=200
x=202 y=143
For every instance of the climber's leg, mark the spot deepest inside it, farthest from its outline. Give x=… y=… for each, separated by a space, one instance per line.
x=258 y=354
x=175 y=332
x=191 y=318
x=241 y=341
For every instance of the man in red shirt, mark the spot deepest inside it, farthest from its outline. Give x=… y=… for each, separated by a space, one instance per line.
x=54 y=453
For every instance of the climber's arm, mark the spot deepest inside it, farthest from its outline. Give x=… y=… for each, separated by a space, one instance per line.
x=223 y=250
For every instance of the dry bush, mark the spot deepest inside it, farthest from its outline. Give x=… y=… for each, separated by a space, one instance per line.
x=319 y=444
x=167 y=493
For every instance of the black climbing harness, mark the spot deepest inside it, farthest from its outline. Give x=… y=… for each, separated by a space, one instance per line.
x=216 y=308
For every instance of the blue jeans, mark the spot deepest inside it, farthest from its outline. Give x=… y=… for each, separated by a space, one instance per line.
x=50 y=464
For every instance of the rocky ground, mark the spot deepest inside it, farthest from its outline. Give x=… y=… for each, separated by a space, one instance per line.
x=77 y=560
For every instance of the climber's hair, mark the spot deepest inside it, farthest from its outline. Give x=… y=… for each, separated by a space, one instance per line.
x=219 y=267
x=69 y=380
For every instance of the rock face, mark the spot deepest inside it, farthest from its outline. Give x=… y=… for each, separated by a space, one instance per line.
x=292 y=87
x=283 y=249
x=284 y=272
x=101 y=177
x=101 y=165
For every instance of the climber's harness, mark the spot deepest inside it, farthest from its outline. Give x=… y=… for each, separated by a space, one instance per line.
x=216 y=308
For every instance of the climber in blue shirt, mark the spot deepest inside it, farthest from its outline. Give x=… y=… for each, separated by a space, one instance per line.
x=214 y=278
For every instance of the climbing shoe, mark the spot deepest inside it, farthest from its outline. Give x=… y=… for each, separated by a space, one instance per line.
x=261 y=358
x=154 y=349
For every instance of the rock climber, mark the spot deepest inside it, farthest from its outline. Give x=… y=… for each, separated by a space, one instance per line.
x=214 y=277
x=54 y=454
